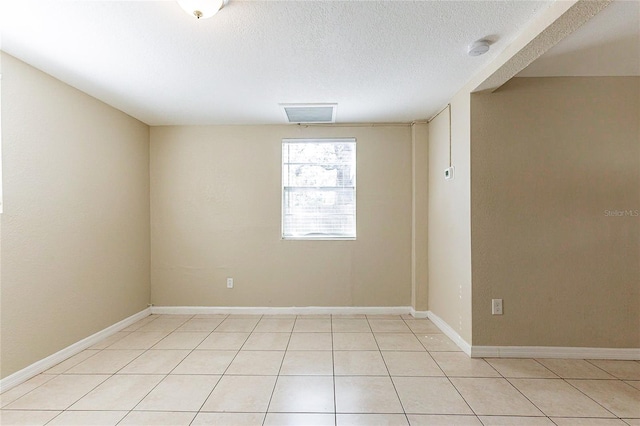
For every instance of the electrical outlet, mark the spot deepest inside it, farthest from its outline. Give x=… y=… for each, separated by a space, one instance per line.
x=229 y=282
x=496 y=306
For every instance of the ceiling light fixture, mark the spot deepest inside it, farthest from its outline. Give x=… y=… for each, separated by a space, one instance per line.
x=479 y=47
x=202 y=8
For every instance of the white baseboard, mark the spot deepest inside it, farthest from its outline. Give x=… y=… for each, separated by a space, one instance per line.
x=473 y=351
x=531 y=351
x=56 y=358
x=302 y=310
x=449 y=332
x=554 y=352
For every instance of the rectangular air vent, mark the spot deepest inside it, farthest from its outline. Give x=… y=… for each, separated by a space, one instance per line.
x=310 y=113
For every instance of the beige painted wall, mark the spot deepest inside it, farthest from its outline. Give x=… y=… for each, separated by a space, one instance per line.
x=449 y=204
x=75 y=228
x=449 y=218
x=420 y=219
x=549 y=157
x=215 y=213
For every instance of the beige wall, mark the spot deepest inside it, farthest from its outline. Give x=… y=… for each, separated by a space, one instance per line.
x=215 y=213
x=549 y=157
x=75 y=228
x=449 y=218
x=419 y=217
x=450 y=203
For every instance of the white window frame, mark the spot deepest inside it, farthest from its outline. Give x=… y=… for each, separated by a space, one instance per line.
x=284 y=190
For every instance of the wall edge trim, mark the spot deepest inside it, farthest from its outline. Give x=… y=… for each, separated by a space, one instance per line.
x=44 y=364
x=293 y=310
x=419 y=314
x=554 y=352
x=450 y=332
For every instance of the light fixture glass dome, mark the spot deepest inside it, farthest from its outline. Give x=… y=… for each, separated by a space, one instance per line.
x=201 y=8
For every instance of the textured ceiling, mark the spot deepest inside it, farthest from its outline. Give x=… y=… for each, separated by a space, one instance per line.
x=607 y=45
x=381 y=61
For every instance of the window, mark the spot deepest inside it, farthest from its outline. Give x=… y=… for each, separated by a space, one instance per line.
x=319 y=189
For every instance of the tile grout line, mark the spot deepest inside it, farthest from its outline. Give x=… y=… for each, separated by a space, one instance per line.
x=545 y=367
x=447 y=376
x=523 y=395
x=165 y=375
x=110 y=375
x=406 y=416
x=449 y=379
x=227 y=368
x=70 y=405
x=190 y=352
x=221 y=375
x=264 y=419
x=600 y=368
x=145 y=351
x=579 y=390
x=55 y=375
x=560 y=378
x=102 y=382
x=388 y=372
x=168 y=374
x=518 y=390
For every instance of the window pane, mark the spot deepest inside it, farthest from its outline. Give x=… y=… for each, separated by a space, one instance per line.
x=313 y=175
x=318 y=192
x=318 y=152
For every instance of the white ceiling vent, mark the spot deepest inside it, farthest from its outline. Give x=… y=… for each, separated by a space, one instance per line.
x=310 y=113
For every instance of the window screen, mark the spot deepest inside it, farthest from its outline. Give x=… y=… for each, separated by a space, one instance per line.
x=319 y=189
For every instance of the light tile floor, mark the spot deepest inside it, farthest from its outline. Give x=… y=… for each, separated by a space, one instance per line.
x=369 y=370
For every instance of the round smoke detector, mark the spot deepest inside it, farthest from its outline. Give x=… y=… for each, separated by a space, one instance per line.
x=479 y=47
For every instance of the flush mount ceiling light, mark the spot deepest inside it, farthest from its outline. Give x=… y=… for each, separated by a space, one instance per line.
x=479 y=47
x=202 y=8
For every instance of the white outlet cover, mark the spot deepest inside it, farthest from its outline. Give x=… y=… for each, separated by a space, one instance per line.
x=496 y=306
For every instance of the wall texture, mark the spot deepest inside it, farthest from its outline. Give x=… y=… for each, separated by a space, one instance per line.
x=75 y=227
x=450 y=202
x=550 y=158
x=420 y=217
x=449 y=218
x=215 y=213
